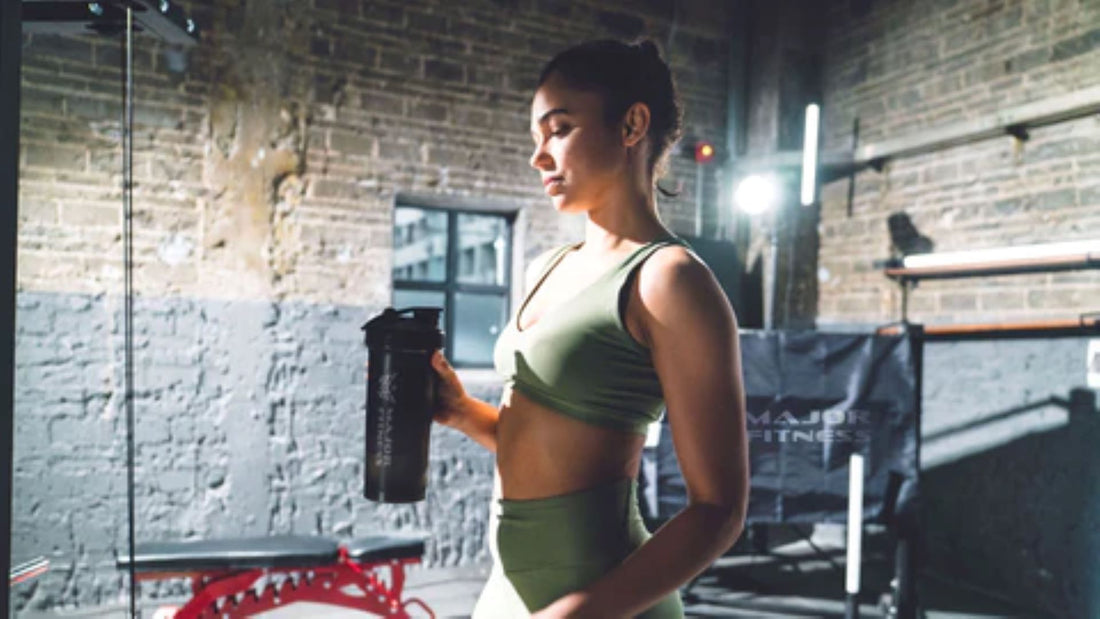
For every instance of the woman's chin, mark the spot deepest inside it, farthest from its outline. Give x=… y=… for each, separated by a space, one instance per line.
x=560 y=203
x=564 y=205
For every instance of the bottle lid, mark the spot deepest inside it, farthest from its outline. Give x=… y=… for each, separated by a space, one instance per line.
x=411 y=327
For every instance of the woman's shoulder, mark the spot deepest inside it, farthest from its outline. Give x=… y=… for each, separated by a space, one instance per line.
x=674 y=260
x=674 y=278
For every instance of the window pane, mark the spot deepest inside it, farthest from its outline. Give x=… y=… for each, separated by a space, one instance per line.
x=419 y=244
x=478 y=320
x=482 y=249
x=420 y=298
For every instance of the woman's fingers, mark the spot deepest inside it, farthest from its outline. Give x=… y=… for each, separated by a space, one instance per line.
x=452 y=383
x=439 y=361
x=449 y=390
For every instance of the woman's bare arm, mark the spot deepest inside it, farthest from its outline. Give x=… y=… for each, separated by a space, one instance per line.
x=456 y=409
x=692 y=334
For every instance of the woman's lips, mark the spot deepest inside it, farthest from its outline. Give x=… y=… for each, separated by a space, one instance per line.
x=553 y=183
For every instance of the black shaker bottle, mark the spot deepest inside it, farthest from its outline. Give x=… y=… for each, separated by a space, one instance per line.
x=400 y=402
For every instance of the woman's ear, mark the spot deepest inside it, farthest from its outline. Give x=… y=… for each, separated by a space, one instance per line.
x=635 y=124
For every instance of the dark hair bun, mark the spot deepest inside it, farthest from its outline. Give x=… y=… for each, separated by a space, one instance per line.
x=649 y=49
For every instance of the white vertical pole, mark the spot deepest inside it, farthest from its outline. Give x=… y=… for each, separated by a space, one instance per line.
x=809 y=154
x=855 y=534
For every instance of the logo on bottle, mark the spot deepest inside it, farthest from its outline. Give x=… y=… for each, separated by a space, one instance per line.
x=387 y=404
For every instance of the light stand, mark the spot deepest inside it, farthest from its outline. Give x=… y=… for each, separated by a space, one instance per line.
x=758 y=195
x=770 y=291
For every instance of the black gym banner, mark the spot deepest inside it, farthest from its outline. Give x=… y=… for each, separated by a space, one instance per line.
x=813 y=399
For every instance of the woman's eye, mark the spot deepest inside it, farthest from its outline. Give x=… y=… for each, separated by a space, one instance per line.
x=560 y=131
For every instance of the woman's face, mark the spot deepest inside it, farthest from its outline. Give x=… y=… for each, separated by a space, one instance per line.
x=579 y=158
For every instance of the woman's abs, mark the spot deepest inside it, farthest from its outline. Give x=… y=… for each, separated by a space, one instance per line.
x=543 y=453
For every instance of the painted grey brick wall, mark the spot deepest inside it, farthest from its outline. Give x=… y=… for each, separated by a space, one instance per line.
x=1010 y=486
x=250 y=422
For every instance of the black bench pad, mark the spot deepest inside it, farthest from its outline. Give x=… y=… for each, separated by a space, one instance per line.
x=232 y=554
x=383 y=547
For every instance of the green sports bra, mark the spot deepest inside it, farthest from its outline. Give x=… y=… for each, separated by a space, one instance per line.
x=579 y=359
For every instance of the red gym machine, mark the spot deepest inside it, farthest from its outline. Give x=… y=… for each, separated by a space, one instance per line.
x=241 y=577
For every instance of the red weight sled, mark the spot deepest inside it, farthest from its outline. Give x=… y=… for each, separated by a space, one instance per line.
x=241 y=577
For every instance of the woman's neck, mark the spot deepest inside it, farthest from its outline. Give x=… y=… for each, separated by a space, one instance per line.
x=606 y=231
x=625 y=212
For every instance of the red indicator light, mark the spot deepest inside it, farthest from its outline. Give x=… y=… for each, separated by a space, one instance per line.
x=704 y=152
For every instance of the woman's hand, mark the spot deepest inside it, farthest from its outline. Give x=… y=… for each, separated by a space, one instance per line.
x=570 y=606
x=451 y=397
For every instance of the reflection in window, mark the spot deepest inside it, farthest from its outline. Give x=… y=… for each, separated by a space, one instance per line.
x=419 y=244
x=483 y=237
x=478 y=320
x=457 y=260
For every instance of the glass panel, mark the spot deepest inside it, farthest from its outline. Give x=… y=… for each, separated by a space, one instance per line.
x=482 y=249
x=69 y=473
x=419 y=244
x=479 y=319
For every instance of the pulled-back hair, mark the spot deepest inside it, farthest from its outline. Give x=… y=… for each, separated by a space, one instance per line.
x=625 y=74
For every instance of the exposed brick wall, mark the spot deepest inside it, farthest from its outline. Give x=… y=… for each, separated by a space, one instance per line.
x=906 y=66
x=266 y=163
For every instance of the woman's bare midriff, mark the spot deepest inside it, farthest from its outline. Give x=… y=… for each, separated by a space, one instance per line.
x=543 y=453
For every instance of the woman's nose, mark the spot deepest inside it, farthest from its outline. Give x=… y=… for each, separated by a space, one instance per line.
x=540 y=158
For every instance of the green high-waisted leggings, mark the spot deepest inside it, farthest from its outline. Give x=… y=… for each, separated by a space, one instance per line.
x=553 y=546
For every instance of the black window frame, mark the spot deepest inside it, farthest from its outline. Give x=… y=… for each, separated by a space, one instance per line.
x=450 y=284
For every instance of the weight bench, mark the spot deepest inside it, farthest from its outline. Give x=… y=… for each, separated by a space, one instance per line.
x=242 y=577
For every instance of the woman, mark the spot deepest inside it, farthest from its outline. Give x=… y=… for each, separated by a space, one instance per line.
x=612 y=330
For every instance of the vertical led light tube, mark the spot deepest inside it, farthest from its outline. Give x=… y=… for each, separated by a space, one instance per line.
x=855 y=534
x=809 y=154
